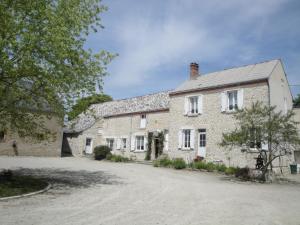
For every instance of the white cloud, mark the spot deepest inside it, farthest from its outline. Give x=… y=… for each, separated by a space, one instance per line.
x=149 y=35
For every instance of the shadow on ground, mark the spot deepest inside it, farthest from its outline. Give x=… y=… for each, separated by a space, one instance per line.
x=60 y=178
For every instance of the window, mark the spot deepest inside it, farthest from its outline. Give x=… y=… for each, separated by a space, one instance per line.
x=193 y=106
x=110 y=143
x=2 y=135
x=232 y=100
x=255 y=138
x=140 y=143
x=124 y=143
x=88 y=142
x=186 y=138
x=143 y=121
x=202 y=138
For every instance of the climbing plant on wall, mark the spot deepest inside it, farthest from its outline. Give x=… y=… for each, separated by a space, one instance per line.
x=149 y=147
x=161 y=138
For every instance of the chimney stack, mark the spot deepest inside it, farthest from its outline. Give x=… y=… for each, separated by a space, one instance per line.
x=194 y=71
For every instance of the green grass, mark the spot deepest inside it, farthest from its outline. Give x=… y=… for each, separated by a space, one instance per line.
x=17 y=185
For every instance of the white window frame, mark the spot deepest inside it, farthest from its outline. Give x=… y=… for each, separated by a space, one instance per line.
x=140 y=143
x=234 y=100
x=202 y=138
x=108 y=143
x=193 y=105
x=186 y=139
x=124 y=143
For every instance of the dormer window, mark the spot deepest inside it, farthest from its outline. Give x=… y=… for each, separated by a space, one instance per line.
x=143 y=121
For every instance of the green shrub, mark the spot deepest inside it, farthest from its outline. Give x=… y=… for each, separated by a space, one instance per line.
x=101 y=151
x=118 y=158
x=200 y=165
x=179 y=163
x=210 y=167
x=230 y=171
x=221 y=168
x=156 y=163
x=165 y=162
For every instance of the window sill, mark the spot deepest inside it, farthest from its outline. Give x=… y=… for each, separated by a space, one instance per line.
x=139 y=151
x=186 y=149
x=193 y=114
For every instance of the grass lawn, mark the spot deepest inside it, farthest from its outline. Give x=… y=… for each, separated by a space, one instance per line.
x=17 y=185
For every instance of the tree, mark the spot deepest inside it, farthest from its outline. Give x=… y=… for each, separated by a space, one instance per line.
x=83 y=104
x=271 y=133
x=296 y=101
x=43 y=62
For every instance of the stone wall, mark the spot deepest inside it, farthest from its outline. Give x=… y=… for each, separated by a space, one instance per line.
x=215 y=122
x=123 y=126
x=28 y=147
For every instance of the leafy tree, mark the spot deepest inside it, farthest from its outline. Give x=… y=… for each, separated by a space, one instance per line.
x=83 y=104
x=272 y=133
x=43 y=62
x=297 y=101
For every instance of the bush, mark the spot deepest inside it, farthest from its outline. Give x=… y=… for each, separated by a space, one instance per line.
x=230 y=171
x=156 y=163
x=179 y=163
x=221 y=168
x=165 y=162
x=200 y=165
x=118 y=158
x=101 y=151
x=210 y=167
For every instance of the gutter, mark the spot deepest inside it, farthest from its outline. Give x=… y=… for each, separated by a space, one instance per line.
x=218 y=87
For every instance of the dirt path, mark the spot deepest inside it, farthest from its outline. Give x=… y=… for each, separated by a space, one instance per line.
x=103 y=193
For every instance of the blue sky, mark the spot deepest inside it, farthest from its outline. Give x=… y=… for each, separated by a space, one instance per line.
x=156 y=40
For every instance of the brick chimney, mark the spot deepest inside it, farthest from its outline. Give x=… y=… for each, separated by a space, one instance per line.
x=194 y=71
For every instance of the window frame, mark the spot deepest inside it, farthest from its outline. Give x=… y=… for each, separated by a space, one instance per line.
x=108 y=142
x=202 y=134
x=193 y=105
x=186 y=139
x=235 y=103
x=140 y=143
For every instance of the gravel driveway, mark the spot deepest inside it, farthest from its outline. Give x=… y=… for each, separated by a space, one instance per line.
x=103 y=193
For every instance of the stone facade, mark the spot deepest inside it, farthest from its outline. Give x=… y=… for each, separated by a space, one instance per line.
x=28 y=147
x=166 y=111
x=214 y=121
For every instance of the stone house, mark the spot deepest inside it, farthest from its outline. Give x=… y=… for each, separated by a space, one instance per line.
x=12 y=144
x=192 y=117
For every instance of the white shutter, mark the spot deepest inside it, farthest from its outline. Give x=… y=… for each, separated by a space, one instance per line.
x=166 y=144
x=223 y=101
x=200 y=104
x=240 y=98
x=180 y=139
x=132 y=143
x=118 y=143
x=192 y=139
x=186 y=105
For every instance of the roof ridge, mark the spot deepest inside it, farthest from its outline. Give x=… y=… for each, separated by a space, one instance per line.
x=237 y=67
x=140 y=96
